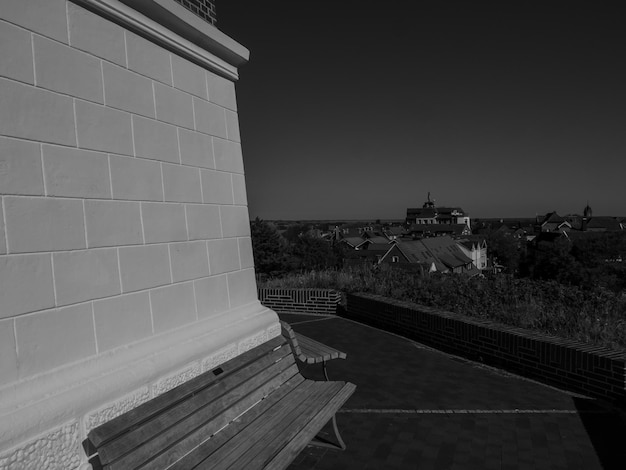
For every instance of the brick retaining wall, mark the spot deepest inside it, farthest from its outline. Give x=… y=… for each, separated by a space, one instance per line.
x=587 y=369
x=315 y=301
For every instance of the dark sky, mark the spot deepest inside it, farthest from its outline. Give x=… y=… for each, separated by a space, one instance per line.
x=356 y=109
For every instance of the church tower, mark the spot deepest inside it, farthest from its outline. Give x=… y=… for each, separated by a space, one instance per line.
x=430 y=203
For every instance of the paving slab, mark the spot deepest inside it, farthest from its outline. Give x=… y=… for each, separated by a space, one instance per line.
x=419 y=408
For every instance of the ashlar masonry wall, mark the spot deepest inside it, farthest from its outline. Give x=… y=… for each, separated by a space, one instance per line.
x=126 y=263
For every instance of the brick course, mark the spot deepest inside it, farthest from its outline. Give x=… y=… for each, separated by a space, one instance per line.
x=316 y=301
x=205 y=9
x=572 y=365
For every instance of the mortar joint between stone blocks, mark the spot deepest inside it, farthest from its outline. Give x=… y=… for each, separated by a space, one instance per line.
x=4 y=224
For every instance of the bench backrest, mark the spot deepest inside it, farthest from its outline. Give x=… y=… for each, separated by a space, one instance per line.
x=308 y=350
x=290 y=335
x=161 y=431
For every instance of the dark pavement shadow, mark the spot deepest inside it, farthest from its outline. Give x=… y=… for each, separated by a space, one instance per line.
x=606 y=429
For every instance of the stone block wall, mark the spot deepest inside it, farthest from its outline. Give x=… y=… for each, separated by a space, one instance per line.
x=125 y=248
x=315 y=301
x=590 y=370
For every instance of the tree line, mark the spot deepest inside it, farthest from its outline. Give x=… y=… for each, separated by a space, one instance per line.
x=297 y=249
x=583 y=259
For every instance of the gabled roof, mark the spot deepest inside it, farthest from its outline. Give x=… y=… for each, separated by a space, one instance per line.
x=416 y=252
x=606 y=223
x=447 y=251
x=354 y=242
x=395 y=230
x=473 y=244
x=442 y=251
x=421 y=213
x=379 y=239
x=374 y=252
x=552 y=217
x=555 y=226
x=377 y=248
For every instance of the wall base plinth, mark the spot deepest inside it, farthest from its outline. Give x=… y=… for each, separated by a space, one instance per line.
x=47 y=417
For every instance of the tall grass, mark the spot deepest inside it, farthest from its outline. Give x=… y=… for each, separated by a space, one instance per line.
x=593 y=316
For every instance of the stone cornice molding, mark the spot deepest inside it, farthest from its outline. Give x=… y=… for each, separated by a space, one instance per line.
x=171 y=26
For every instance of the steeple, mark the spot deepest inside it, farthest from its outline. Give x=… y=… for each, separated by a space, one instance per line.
x=430 y=203
x=587 y=212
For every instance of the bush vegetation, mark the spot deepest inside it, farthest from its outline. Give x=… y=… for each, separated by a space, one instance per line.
x=596 y=315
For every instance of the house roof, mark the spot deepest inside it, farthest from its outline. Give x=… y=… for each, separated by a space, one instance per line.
x=380 y=246
x=421 y=213
x=555 y=226
x=379 y=239
x=446 y=249
x=606 y=223
x=373 y=251
x=450 y=210
x=456 y=229
x=354 y=241
x=472 y=244
x=552 y=217
x=416 y=252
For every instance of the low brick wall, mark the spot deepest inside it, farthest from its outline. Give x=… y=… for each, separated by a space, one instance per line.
x=590 y=370
x=315 y=301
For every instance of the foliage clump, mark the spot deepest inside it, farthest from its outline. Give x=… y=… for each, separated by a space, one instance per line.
x=596 y=316
x=295 y=250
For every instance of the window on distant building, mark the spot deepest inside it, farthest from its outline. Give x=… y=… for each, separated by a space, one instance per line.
x=395 y=259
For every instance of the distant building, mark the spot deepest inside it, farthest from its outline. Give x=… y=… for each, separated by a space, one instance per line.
x=440 y=254
x=476 y=249
x=393 y=233
x=429 y=214
x=352 y=230
x=553 y=222
x=438 y=230
x=603 y=224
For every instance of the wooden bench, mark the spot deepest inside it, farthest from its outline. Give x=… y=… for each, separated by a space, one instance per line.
x=253 y=412
x=308 y=350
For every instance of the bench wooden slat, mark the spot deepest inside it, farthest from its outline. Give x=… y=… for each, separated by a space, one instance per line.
x=192 y=460
x=317 y=352
x=207 y=433
x=288 y=333
x=268 y=423
x=120 y=424
x=292 y=448
x=200 y=411
x=284 y=428
x=178 y=411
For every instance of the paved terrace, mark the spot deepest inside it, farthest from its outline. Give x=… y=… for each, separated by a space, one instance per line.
x=419 y=408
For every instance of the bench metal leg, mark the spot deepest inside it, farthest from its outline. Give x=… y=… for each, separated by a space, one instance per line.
x=319 y=442
x=325 y=371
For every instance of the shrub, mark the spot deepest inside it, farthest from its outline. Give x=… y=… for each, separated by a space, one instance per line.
x=595 y=316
